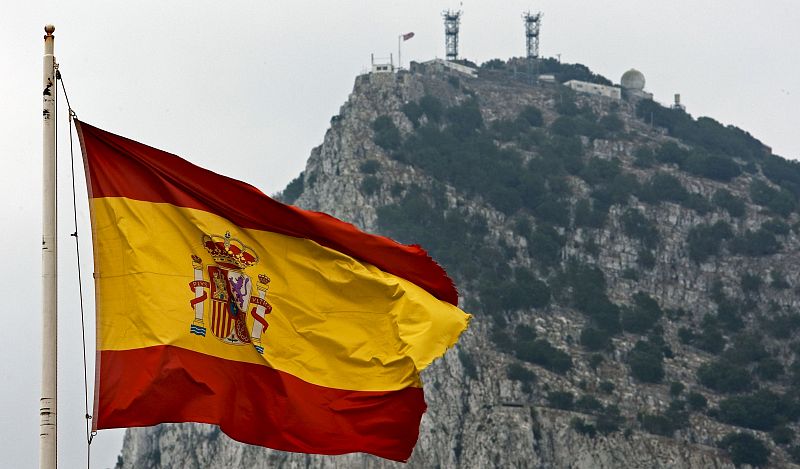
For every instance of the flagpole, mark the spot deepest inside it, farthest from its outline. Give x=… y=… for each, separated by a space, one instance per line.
x=47 y=426
x=399 y=57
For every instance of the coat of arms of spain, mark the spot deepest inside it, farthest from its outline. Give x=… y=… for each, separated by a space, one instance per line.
x=230 y=293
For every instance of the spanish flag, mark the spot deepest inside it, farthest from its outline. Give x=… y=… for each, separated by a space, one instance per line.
x=287 y=328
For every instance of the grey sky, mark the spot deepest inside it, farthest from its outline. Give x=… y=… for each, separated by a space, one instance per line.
x=248 y=88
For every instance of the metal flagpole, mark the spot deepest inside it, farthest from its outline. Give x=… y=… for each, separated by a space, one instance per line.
x=399 y=57
x=47 y=426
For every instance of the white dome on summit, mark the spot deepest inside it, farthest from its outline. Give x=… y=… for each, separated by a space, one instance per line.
x=632 y=80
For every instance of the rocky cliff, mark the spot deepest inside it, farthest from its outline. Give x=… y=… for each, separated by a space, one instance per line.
x=630 y=269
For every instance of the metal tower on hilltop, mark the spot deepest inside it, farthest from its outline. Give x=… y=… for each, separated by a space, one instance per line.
x=533 y=21
x=452 y=19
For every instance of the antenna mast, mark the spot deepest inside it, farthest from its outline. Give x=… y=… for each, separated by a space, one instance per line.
x=452 y=19
x=533 y=22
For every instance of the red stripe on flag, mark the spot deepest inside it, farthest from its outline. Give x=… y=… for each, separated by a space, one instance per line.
x=148 y=386
x=120 y=167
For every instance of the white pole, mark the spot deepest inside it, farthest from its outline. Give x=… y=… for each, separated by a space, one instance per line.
x=399 y=57
x=47 y=426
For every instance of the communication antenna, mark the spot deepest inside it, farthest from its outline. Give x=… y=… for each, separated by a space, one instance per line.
x=452 y=19
x=533 y=22
x=678 y=104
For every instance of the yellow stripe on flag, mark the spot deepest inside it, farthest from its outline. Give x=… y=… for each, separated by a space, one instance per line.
x=335 y=321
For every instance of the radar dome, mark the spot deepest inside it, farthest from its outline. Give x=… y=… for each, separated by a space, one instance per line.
x=632 y=80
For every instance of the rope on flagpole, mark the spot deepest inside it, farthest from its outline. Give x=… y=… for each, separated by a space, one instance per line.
x=90 y=434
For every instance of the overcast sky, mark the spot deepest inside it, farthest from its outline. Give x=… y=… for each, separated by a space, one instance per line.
x=248 y=88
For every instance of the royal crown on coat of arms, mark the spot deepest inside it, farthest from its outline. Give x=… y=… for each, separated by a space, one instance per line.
x=229 y=252
x=230 y=293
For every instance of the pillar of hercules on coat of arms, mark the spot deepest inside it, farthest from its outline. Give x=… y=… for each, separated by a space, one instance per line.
x=228 y=293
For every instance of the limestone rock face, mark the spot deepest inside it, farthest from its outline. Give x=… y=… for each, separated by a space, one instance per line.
x=477 y=415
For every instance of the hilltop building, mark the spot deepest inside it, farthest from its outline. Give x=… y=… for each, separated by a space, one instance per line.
x=631 y=86
x=382 y=66
x=439 y=64
x=593 y=88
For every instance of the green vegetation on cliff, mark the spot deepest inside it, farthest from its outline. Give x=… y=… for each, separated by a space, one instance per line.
x=564 y=212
